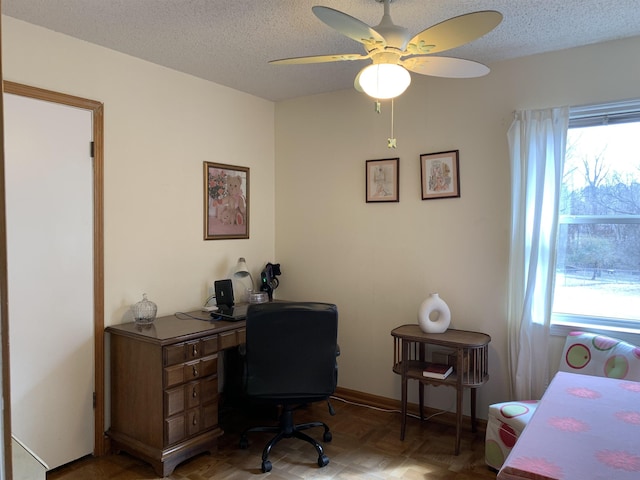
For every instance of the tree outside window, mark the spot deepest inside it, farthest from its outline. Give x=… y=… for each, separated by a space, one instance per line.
x=598 y=257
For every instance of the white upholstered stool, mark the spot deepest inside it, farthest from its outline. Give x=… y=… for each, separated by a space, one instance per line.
x=504 y=425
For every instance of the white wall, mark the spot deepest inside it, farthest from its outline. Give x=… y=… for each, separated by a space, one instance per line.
x=160 y=126
x=377 y=262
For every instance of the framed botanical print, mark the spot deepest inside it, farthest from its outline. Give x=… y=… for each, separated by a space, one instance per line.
x=439 y=174
x=226 y=201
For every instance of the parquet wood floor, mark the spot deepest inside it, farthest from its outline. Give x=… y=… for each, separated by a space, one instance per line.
x=366 y=445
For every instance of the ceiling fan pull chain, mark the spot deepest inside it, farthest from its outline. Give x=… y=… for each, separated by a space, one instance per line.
x=391 y=142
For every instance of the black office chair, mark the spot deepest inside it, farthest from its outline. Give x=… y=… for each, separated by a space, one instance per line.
x=291 y=352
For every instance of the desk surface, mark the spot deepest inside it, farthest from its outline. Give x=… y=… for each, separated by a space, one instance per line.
x=585 y=427
x=178 y=327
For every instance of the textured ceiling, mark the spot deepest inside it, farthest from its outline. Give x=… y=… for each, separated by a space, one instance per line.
x=230 y=41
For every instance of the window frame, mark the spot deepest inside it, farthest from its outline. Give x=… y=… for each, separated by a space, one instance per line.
x=627 y=111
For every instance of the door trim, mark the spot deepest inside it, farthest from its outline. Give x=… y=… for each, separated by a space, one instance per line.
x=97 y=108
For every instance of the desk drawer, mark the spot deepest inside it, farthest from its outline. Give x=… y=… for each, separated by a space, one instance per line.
x=173 y=354
x=194 y=421
x=190 y=395
x=193 y=394
x=190 y=409
x=232 y=339
x=174 y=401
x=173 y=375
x=209 y=345
x=174 y=429
x=209 y=366
x=189 y=423
x=201 y=368
x=204 y=391
x=181 y=352
x=193 y=350
x=185 y=372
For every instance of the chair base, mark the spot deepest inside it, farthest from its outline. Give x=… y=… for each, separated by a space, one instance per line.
x=287 y=429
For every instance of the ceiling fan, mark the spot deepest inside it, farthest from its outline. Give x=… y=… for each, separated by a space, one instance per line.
x=394 y=53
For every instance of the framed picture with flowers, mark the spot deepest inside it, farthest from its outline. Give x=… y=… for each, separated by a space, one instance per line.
x=440 y=176
x=226 y=201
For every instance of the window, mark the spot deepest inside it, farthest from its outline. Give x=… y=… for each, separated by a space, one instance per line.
x=597 y=276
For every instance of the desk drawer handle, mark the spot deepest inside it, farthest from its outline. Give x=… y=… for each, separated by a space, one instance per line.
x=195 y=350
x=195 y=392
x=195 y=371
x=195 y=420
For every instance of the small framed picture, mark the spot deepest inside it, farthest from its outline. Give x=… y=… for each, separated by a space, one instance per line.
x=226 y=201
x=440 y=175
x=382 y=179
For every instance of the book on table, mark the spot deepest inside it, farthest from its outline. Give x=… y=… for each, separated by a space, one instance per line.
x=437 y=370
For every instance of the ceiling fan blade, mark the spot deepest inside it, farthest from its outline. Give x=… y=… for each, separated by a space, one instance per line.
x=447 y=67
x=338 y=57
x=349 y=26
x=454 y=32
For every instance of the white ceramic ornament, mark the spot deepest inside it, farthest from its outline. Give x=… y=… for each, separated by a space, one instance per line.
x=434 y=315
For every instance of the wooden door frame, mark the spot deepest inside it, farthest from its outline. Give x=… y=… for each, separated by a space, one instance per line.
x=97 y=109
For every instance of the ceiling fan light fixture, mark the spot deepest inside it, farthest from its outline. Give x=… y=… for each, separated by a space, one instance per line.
x=384 y=80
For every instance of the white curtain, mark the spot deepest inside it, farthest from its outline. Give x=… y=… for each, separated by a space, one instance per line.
x=537 y=141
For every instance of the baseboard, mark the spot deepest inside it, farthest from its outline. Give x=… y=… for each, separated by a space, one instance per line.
x=384 y=403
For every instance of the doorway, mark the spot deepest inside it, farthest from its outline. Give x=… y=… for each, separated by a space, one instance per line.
x=44 y=248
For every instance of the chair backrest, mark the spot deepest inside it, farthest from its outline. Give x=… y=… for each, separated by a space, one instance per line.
x=291 y=350
x=592 y=354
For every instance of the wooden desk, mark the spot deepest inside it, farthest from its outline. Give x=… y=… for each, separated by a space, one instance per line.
x=585 y=427
x=164 y=387
x=470 y=370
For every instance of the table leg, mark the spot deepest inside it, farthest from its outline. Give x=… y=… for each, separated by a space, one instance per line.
x=420 y=384
x=473 y=410
x=405 y=362
x=459 y=394
x=404 y=407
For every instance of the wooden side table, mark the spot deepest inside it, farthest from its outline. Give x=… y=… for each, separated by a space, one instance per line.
x=470 y=366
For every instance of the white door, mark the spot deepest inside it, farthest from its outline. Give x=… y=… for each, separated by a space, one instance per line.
x=50 y=269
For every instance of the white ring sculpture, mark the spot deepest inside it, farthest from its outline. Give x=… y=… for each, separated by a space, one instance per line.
x=442 y=317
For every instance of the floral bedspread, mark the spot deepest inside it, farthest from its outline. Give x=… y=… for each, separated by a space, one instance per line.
x=585 y=428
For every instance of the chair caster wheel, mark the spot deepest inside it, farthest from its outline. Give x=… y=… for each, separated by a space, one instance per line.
x=266 y=466
x=327 y=437
x=323 y=461
x=244 y=443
